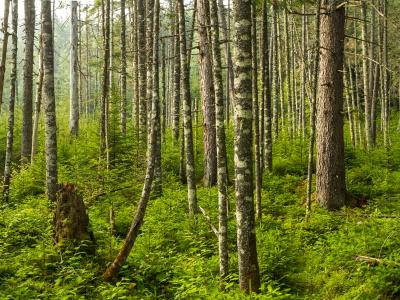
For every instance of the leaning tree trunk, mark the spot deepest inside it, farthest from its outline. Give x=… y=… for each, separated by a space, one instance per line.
x=221 y=147
x=331 y=188
x=207 y=95
x=4 y=48
x=26 y=144
x=187 y=113
x=49 y=102
x=74 y=73
x=249 y=276
x=137 y=222
x=13 y=88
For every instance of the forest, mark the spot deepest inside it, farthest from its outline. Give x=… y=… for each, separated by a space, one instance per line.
x=200 y=149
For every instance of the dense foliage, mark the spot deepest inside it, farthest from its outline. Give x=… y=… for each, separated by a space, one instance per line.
x=174 y=259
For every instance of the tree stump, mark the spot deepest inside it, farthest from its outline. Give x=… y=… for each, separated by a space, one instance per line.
x=71 y=222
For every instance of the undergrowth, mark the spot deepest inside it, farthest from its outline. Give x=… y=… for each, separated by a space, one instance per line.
x=174 y=259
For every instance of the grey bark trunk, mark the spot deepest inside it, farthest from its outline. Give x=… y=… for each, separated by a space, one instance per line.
x=4 y=48
x=221 y=147
x=49 y=102
x=26 y=144
x=13 y=88
x=249 y=277
x=123 y=102
x=74 y=74
x=187 y=113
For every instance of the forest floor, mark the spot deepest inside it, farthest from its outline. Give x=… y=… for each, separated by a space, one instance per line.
x=174 y=259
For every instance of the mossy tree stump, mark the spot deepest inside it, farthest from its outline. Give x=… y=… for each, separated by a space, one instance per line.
x=71 y=222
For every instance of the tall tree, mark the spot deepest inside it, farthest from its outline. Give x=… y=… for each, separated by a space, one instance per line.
x=104 y=146
x=49 y=101
x=13 y=88
x=313 y=108
x=367 y=101
x=256 y=127
x=38 y=100
x=123 y=69
x=141 y=41
x=249 y=276
x=275 y=69
x=331 y=188
x=221 y=147
x=177 y=80
x=26 y=144
x=137 y=222
x=207 y=95
x=74 y=72
x=266 y=117
x=187 y=112
x=4 y=48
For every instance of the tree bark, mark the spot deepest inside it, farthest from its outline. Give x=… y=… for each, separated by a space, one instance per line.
x=74 y=73
x=123 y=102
x=38 y=100
x=26 y=143
x=221 y=147
x=249 y=277
x=49 y=102
x=331 y=188
x=367 y=101
x=266 y=90
x=4 y=48
x=13 y=88
x=207 y=95
x=187 y=113
x=256 y=125
x=313 y=108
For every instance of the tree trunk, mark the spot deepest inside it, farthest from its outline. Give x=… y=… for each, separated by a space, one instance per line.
x=38 y=101
x=313 y=108
x=74 y=73
x=13 y=88
x=207 y=95
x=177 y=84
x=26 y=144
x=4 y=48
x=221 y=147
x=49 y=101
x=105 y=89
x=141 y=40
x=257 y=151
x=367 y=101
x=331 y=188
x=266 y=89
x=187 y=113
x=275 y=71
x=137 y=222
x=123 y=70
x=249 y=276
